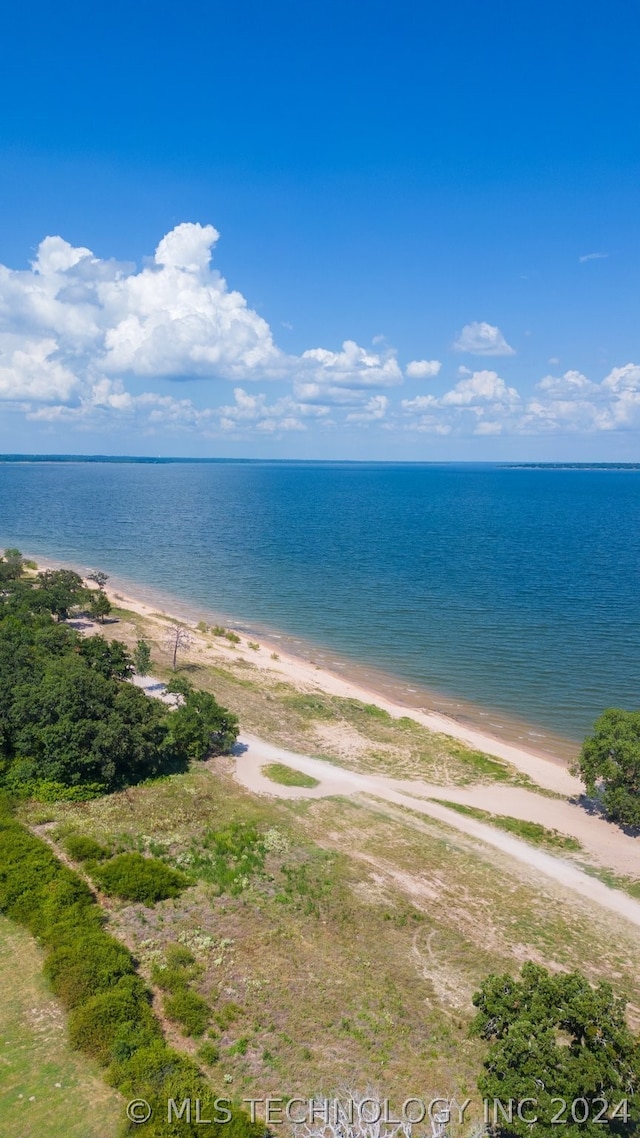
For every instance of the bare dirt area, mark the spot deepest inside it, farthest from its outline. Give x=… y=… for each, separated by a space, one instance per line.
x=602 y=841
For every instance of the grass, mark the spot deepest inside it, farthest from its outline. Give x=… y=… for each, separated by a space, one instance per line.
x=46 y=1087
x=630 y=885
x=533 y=832
x=335 y=936
x=287 y=776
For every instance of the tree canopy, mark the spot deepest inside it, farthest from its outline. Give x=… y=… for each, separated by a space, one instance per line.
x=199 y=725
x=59 y=590
x=609 y=764
x=554 y=1038
x=99 y=606
x=68 y=718
x=142 y=658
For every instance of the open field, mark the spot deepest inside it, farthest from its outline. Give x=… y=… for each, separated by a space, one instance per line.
x=352 y=952
x=47 y=1089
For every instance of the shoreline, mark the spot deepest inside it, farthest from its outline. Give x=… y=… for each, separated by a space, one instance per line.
x=298 y=662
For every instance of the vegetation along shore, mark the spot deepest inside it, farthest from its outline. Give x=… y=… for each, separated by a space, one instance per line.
x=245 y=876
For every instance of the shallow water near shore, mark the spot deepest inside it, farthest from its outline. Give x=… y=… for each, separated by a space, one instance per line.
x=504 y=597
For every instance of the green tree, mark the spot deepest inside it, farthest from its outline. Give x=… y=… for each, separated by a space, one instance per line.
x=111 y=660
x=99 y=606
x=554 y=1037
x=58 y=591
x=11 y=565
x=142 y=658
x=79 y=726
x=200 y=726
x=609 y=764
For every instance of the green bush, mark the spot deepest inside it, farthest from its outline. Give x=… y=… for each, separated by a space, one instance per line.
x=189 y=1010
x=151 y=1068
x=111 y=1017
x=169 y=979
x=81 y=847
x=137 y=878
x=227 y=1014
x=47 y=790
x=179 y=956
x=87 y=966
x=115 y=1023
x=208 y=1054
x=35 y=889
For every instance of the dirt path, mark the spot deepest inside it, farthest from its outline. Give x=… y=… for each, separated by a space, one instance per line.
x=604 y=842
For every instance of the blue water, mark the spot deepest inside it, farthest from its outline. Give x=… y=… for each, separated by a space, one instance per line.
x=516 y=589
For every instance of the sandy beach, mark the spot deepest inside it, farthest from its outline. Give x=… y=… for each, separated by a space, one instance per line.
x=546 y=770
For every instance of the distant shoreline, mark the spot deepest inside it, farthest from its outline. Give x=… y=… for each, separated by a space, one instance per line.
x=159 y=460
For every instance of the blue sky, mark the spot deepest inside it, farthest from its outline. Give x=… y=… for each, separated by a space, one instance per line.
x=449 y=191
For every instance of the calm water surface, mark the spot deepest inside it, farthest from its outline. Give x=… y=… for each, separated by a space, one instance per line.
x=515 y=589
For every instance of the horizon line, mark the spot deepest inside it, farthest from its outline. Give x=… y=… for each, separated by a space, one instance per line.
x=196 y=460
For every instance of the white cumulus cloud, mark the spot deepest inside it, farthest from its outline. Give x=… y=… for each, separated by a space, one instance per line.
x=73 y=320
x=482 y=339
x=481 y=387
x=423 y=369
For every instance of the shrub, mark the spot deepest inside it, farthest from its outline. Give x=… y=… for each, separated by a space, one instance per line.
x=87 y=966
x=179 y=956
x=114 y=1023
x=189 y=1010
x=46 y=790
x=227 y=1014
x=209 y=1054
x=81 y=847
x=137 y=878
x=152 y=1067
x=172 y=980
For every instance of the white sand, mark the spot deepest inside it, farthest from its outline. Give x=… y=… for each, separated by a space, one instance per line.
x=546 y=770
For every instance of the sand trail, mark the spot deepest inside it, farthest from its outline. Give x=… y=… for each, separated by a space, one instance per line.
x=602 y=841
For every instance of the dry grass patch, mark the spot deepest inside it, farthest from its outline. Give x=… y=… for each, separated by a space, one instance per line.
x=46 y=1087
